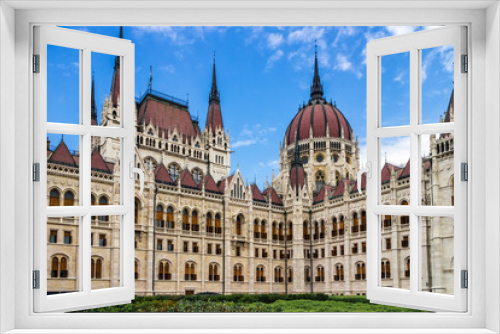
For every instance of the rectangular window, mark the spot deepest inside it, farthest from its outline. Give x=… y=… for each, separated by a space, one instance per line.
x=209 y=248
x=159 y=244
x=388 y=243
x=218 y=249
x=53 y=236
x=102 y=240
x=67 y=237
x=256 y=252
x=334 y=251
x=170 y=245
x=195 y=247
x=185 y=246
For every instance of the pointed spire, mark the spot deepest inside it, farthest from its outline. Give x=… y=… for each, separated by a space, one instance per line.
x=316 y=87
x=214 y=92
x=93 y=107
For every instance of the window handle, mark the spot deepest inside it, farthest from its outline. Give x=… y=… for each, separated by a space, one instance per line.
x=368 y=171
x=135 y=170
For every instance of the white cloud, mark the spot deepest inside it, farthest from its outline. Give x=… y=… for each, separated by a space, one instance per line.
x=273 y=163
x=256 y=134
x=396 y=150
x=306 y=35
x=274 y=40
x=241 y=143
x=344 y=31
x=167 y=68
x=445 y=54
x=274 y=58
x=399 y=77
x=344 y=64
x=400 y=30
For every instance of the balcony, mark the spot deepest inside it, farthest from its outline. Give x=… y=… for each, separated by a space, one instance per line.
x=306 y=237
x=164 y=277
x=190 y=277
x=338 y=278
x=279 y=279
x=341 y=232
x=237 y=278
x=256 y=235
x=355 y=229
x=359 y=277
x=261 y=279
x=319 y=279
x=214 y=278
x=363 y=228
x=334 y=233
x=386 y=275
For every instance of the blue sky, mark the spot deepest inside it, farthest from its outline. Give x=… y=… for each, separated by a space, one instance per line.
x=263 y=74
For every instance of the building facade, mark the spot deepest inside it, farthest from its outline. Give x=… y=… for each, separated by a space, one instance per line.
x=199 y=229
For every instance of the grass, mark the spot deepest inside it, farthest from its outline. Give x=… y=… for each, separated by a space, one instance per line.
x=316 y=302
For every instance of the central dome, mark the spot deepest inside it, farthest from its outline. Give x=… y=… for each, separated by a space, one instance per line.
x=323 y=118
x=318 y=119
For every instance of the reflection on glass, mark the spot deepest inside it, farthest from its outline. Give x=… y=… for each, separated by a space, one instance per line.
x=394 y=254
x=63 y=174
x=63 y=85
x=105 y=101
x=395 y=89
x=105 y=165
x=437 y=253
x=105 y=256
x=438 y=168
x=437 y=84
x=62 y=255
x=395 y=170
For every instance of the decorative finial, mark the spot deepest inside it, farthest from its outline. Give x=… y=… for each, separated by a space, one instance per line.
x=316 y=87
x=214 y=92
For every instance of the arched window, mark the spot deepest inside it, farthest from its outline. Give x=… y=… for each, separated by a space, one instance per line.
x=210 y=223
x=263 y=229
x=259 y=274
x=213 y=272
x=185 y=220
x=355 y=223
x=164 y=271
x=173 y=171
x=320 y=180
x=137 y=205
x=337 y=178
x=290 y=231
x=274 y=231
x=54 y=270
x=136 y=269
x=194 y=222
x=281 y=232
x=407 y=270
x=387 y=221
x=170 y=218
x=190 y=271
x=238 y=273
x=197 y=175
x=307 y=274
x=256 y=229
x=405 y=220
x=239 y=225
x=103 y=200
x=218 y=228
x=316 y=230
x=339 y=273
x=360 y=271
x=63 y=270
x=385 y=269
x=69 y=198
x=96 y=268
x=320 y=274
x=305 y=230
x=290 y=275
x=278 y=275
x=335 y=227
x=54 y=197
x=322 y=231
x=341 y=228
x=363 y=221
x=159 y=216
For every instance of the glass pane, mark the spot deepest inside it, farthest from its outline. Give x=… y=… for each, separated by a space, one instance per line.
x=63 y=85
x=438 y=166
x=105 y=100
x=395 y=89
x=106 y=171
x=437 y=253
x=395 y=170
x=63 y=173
x=105 y=262
x=63 y=262
x=395 y=251
x=437 y=84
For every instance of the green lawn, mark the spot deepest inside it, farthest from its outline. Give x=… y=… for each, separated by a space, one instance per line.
x=317 y=302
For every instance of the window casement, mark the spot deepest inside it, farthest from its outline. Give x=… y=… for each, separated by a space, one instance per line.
x=159 y=244
x=53 y=237
x=210 y=223
x=190 y=271
x=170 y=218
x=420 y=215
x=355 y=223
x=218 y=228
x=185 y=220
x=320 y=274
x=194 y=221
x=339 y=273
x=76 y=210
x=259 y=274
x=213 y=272
x=341 y=228
x=360 y=271
x=305 y=230
x=238 y=273
x=136 y=269
x=385 y=269
x=164 y=268
x=278 y=275
x=289 y=236
x=256 y=229
x=137 y=206
x=307 y=274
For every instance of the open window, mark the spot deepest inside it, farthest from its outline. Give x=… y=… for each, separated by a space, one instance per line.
x=91 y=232
x=436 y=240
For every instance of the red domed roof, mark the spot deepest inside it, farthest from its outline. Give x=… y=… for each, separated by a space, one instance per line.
x=319 y=114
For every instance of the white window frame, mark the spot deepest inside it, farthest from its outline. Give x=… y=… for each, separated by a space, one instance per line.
x=85 y=43
x=413 y=44
x=484 y=49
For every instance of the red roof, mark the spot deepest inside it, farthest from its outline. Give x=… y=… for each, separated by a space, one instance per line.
x=222 y=183
x=355 y=185
x=214 y=116
x=62 y=155
x=275 y=199
x=323 y=192
x=339 y=190
x=406 y=171
x=98 y=163
x=297 y=176
x=386 y=172
x=161 y=174
x=210 y=185
x=320 y=114
x=187 y=180
x=256 y=194
x=167 y=117
x=115 y=84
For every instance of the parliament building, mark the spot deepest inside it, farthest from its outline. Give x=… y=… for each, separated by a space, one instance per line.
x=201 y=229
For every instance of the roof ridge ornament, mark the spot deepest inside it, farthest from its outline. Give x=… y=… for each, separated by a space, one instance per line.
x=214 y=91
